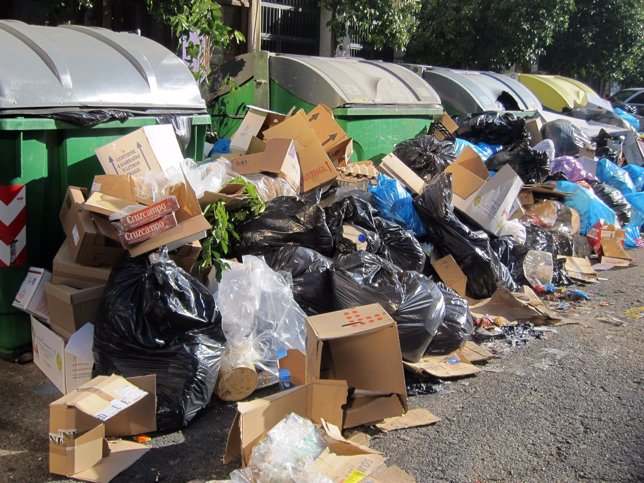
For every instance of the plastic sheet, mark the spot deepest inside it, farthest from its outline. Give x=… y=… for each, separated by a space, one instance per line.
x=210 y=176
x=157 y=319
x=614 y=200
x=396 y=204
x=471 y=249
x=384 y=238
x=426 y=155
x=457 y=326
x=493 y=128
x=629 y=118
x=269 y=187
x=514 y=229
x=311 y=276
x=613 y=175
x=567 y=137
x=636 y=173
x=285 y=455
x=258 y=315
x=532 y=166
x=571 y=168
x=411 y=299
x=591 y=209
x=286 y=221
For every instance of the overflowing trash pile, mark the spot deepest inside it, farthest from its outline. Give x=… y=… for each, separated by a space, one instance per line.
x=344 y=286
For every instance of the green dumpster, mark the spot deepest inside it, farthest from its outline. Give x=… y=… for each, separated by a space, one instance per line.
x=53 y=81
x=378 y=104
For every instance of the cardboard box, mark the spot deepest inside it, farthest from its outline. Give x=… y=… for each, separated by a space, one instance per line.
x=613 y=248
x=533 y=127
x=147 y=232
x=70 y=308
x=445 y=367
x=279 y=158
x=31 y=296
x=336 y=143
x=187 y=255
x=316 y=401
x=395 y=168
x=254 y=123
x=601 y=231
x=233 y=194
x=89 y=244
x=361 y=346
x=104 y=406
x=152 y=149
x=487 y=201
x=445 y=128
x=67 y=272
x=451 y=274
x=65 y=364
x=149 y=213
x=316 y=167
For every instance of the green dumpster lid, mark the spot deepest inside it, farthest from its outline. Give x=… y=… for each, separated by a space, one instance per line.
x=55 y=69
x=350 y=81
x=467 y=91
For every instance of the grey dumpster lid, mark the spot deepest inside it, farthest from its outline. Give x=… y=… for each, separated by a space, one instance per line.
x=466 y=91
x=350 y=81
x=54 y=69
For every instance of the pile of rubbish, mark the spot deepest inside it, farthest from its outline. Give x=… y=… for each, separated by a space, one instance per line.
x=283 y=264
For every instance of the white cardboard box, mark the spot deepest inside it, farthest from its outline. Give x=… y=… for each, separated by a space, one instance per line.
x=68 y=365
x=31 y=296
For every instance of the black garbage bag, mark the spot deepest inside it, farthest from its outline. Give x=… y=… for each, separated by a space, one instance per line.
x=563 y=244
x=426 y=155
x=581 y=246
x=531 y=166
x=567 y=138
x=511 y=255
x=411 y=299
x=492 y=128
x=538 y=238
x=311 y=275
x=155 y=318
x=614 y=199
x=560 y=276
x=384 y=238
x=287 y=221
x=602 y=149
x=471 y=249
x=457 y=326
x=90 y=118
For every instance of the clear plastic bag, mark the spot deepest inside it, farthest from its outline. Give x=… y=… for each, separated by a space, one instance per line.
x=269 y=188
x=259 y=315
x=207 y=177
x=538 y=268
x=286 y=454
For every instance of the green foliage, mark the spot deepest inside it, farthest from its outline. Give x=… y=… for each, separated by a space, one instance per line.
x=203 y=17
x=486 y=34
x=605 y=39
x=218 y=245
x=379 y=22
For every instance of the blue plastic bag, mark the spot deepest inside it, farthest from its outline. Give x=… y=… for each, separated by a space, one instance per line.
x=591 y=209
x=629 y=118
x=636 y=200
x=636 y=173
x=613 y=175
x=396 y=204
x=633 y=230
x=482 y=149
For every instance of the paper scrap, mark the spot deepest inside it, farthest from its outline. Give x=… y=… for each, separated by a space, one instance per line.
x=412 y=419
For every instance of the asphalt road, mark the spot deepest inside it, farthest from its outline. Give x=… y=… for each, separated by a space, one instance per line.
x=565 y=408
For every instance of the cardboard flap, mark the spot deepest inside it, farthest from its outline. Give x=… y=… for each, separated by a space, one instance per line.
x=464 y=182
x=445 y=367
x=122 y=187
x=140 y=417
x=295 y=362
x=107 y=205
x=123 y=454
x=451 y=274
x=80 y=343
x=411 y=419
x=339 y=444
x=279 y=158
x=395 y=168
x=514 y=307
x=344 y=323
x=347 y=468
x=391 y=474
x=471 y=161
x=367 y=410
x=475 y=353
x=612 y=247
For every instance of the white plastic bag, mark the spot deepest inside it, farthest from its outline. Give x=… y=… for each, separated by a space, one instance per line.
x=207 y=177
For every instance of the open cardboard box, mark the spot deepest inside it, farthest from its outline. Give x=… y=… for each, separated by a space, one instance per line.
x=255 y=122
x=67 y=272
x=278 y=158
x=336 y=143
x=70 y=308
x=67 y=364
x=316 y=167
x=104 y=406
x=361 y=346
x=31 y=297
x=487 y=201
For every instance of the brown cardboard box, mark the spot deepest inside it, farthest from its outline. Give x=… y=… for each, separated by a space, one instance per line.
x=316 y=401
x=361 y=346
x=70 y=308
x=88 y=244
x=533 y=126
x=336 y=143
x=451 y=274
x=278 y=158
x=67 y=272
x=395 y=168
x=254 y=123
x=445 y=128
x=316 y=167
x=105 y=406
x=187 y=255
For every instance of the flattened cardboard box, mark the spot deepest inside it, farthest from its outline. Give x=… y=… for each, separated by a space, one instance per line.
x=487 y=201
x=67 y=272
x=71 y=308
x=445 y=367
x=316 y=401
x=150 y=149
x=31 y=297
x=278 y=158
x=316 y=167
x=104 y=406
x=361 y=346
x=65 y=369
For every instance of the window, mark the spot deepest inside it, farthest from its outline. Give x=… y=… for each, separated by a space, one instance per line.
x=638 y=99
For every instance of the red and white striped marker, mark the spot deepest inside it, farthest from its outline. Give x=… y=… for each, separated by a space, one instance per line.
x=13 y=225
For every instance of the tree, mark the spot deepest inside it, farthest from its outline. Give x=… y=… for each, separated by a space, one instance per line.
x=604 y=40
x=377 y=22
x=486 y=34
